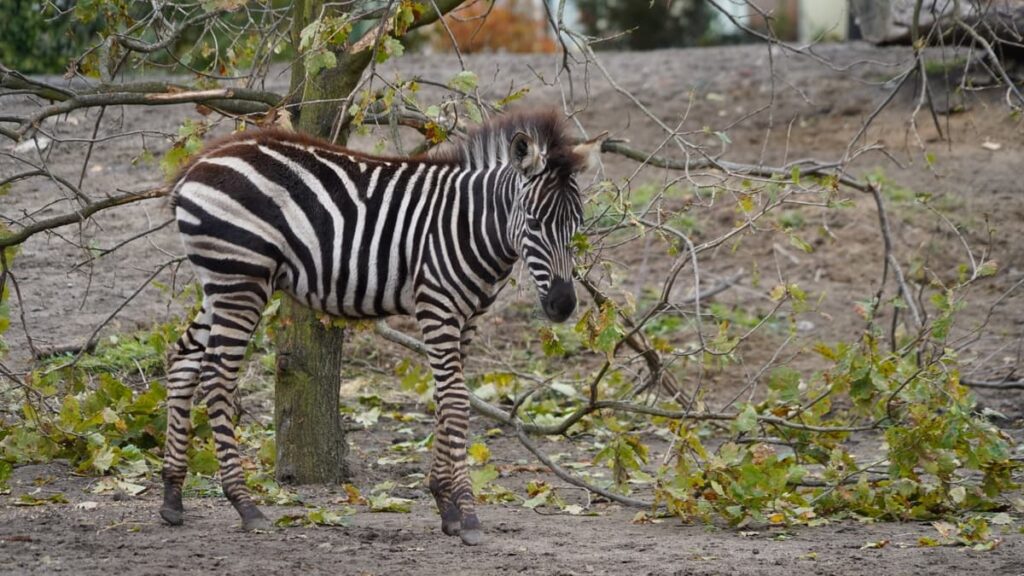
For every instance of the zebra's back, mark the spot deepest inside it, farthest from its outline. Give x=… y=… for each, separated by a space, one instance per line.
x=340 y=232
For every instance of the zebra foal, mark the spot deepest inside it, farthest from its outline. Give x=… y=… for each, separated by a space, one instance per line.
x=362 y=236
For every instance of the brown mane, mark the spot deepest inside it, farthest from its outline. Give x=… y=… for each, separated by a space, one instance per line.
x=488 y=143
x=483 y=146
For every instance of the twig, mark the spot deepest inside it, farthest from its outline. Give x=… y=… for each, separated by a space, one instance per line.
x=27 y=232
x=566 y=476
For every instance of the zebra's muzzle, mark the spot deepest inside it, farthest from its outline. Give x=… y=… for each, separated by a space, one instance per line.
x=560 y=302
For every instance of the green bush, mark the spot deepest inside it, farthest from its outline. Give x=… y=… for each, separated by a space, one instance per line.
x=41 y=39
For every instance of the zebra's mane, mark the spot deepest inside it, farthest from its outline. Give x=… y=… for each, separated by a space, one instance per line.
x=488 y=144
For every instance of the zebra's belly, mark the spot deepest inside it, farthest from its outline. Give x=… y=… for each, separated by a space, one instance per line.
x=355 y=298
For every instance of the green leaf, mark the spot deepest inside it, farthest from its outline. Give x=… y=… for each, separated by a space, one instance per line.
x=318 y=60
x=746 y=421
x=466 y=81
x=800 y=243
x=473 y=111
x=958 y=494
x=481 y=477
x=323 y=517
x=540 y=499
x=988 y=268
x=550 y=343
x=384 y=503
x=103 y=459
x=308 y=35
x=5 y=475
x=172 y=160
x=512 y=97
x=204 y=462
x=786 y=382
x=389 y=47
x=369 y=417
x=290 y=520
x=564 y=389
x=31 y=500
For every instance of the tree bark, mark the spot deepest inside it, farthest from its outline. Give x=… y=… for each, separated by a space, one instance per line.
x=311 y=445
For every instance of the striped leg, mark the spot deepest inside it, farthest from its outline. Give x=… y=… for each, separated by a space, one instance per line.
x=234 y=319
x=468 y=333
x=181 y=385
x=451 y=518
x=449 y=478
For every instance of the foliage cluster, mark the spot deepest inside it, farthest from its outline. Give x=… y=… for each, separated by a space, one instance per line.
x=37 y=37
x=495 y=27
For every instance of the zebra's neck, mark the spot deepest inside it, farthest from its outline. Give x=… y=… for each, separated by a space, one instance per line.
x=484 y=202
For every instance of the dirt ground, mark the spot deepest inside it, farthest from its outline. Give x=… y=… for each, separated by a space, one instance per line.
x=816 y=111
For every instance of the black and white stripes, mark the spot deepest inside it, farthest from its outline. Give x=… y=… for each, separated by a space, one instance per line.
x=364 y=237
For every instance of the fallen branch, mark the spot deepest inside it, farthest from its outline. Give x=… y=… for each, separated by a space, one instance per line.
x=564 y=475
x=493 y=412
x=999 y=385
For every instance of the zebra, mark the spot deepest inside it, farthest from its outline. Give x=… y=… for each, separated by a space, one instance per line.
x=361 y=236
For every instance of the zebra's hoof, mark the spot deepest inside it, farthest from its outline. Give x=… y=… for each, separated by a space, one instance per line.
x=472 y=537
x=172 y=516
x=257 y=524
x=252 y=519
x=451 y=527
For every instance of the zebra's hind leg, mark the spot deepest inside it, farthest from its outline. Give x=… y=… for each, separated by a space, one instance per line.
x=181 y=385
x=234 y=320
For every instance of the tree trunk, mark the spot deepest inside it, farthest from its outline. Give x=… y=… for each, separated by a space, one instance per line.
x=311 y=445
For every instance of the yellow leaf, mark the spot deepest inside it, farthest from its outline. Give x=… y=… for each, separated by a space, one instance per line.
x=480 y=453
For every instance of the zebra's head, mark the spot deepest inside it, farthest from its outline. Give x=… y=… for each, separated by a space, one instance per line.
x=548 y=212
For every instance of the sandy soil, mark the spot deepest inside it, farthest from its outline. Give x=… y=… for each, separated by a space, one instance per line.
x=816 y=111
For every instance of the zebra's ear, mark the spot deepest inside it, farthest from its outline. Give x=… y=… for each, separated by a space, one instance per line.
x=525 y=154
x=588 y=152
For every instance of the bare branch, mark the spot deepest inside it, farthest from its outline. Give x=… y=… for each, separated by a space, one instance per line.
x=27 y=232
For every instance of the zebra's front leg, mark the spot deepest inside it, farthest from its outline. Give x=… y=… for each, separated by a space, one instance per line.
x=449 y=478
x=440 y=478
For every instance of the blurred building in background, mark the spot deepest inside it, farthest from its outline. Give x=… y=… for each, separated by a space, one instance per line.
x=801 y=21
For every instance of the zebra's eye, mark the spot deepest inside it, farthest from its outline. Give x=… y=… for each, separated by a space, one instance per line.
x=533 y=224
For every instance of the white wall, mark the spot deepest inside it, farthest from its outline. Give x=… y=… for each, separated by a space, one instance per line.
x=818 y=16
